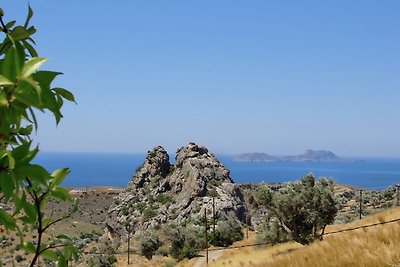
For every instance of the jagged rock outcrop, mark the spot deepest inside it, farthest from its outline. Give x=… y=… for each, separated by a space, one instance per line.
x=161 y=193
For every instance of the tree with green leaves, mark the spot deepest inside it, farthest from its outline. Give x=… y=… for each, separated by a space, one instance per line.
x=299 y=211
x=24 y=185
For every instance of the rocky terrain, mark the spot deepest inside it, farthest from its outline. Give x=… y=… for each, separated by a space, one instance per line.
x=161 y=193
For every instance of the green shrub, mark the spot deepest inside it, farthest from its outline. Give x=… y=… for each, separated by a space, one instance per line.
x=164 y=198
x=185 y=242
x=148 y=214
x=148 y=244
x=212 y=193
x=226 y=233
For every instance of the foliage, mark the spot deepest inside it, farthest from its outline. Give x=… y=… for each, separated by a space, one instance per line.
x=226 y=233
x=212 y=193
x=148 y=244
x=302 y=209
x=185 y=241
x=164 y=198
x=24 y=90
x=149 y=213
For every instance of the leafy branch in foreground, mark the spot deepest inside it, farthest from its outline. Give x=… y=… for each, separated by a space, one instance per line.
x=25 y=186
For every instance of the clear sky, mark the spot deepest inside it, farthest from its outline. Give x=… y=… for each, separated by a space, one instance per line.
x=236 y=76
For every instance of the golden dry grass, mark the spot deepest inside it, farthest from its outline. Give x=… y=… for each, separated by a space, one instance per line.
x=374 y=246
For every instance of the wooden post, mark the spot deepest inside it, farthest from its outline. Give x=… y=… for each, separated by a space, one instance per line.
x=247 y=226
x=213 y=209
x=360 y=204
x=128 y=229
x=205 y=224
x=129 y=246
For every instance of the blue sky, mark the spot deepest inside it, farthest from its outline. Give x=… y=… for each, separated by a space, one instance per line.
x=236 y=76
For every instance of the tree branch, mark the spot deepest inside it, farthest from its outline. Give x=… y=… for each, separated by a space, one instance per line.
x=3 y=25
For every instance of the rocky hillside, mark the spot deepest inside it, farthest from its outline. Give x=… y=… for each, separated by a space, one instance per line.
x=161 y=193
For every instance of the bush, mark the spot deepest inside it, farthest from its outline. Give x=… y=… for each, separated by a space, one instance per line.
x=148 y=244
x=302 y=209
x=149 y=213
x=185 y=241
x=226 y=233
x=163 y=198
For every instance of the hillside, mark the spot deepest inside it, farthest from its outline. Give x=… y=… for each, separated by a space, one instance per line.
x=373 y=246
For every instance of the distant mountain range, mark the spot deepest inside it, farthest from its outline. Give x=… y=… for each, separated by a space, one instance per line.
x=308 y=156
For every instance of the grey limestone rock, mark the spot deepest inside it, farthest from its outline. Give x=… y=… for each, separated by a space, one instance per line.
x=160 y=193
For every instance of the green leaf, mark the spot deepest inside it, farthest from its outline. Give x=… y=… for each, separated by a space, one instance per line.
x=29 y=47
x=5 y=81
x=11 y=160
x=7 y=185
x=1 y=12
x=31 y=66
x=7 y=220
x=28 y=92
x=36 y=173
x=20 y=152
x=12 y=63
x=59 y=175
x=10 y=24
x=61 y=193
x=31 y=30
x=49 y=255
x=65 y=94
x=30 y=211
x=19 y=33
x=33 y=117
x=3 y=101
x=29 y=247
x=44 y=78
x=5 y=46
x=61 y=262
x=35 y=85
x=28 y=18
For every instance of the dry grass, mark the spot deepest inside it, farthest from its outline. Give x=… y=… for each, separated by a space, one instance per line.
x=374 y=246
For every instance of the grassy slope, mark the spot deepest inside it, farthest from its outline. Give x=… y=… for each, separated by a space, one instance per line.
x=374 y=246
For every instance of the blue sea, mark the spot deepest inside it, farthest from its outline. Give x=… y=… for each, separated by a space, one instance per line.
x=103 y=169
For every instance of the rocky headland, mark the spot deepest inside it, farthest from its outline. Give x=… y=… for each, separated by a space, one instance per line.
x=161 y=193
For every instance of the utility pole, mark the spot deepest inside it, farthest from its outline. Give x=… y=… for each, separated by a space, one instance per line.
x=360 y=204
x=213 y=211
x=128 y=228
x=205 y=224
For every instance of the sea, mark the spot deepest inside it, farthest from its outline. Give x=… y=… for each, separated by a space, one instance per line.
x=117 y=169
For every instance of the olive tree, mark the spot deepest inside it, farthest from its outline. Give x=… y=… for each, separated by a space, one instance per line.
x=26 y=187
x=299 y=211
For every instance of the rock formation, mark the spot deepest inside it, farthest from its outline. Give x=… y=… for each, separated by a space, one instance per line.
x=160 y=193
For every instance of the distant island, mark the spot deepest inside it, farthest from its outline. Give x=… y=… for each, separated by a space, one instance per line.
x=308 y=156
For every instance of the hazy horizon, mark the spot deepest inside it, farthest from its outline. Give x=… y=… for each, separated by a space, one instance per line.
x=277 y=77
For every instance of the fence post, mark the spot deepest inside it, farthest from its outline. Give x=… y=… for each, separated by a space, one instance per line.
x=360 y=203
x=213 y=211
x=205 y=224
